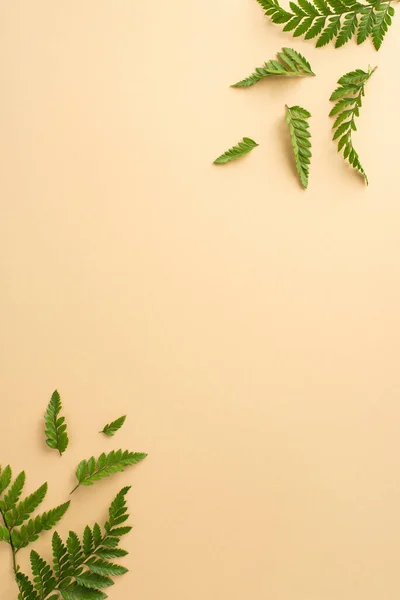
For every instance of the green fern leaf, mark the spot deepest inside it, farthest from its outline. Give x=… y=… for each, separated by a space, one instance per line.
x=4 y=534
x=113 y=427
x=17 y=515
x=333 y=20
x=296 y=118
x=290 y=64
x=5 y=478
x=348 y=100
x=243 y=147
x=43 y=578
x=30 y=532
x=111 y=553
x=74 y=548
x=79 y=592
x=93 y=580
x=56 y=429
x=103 y=567
x=26 y=589
x=383 y=20
x=92 y=470
x=88 y=544
x=61 y=564
x=14 y=493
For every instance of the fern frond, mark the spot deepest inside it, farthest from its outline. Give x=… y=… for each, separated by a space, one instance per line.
x=56 y=429
x=333 y=20
x=290 y=64
x=30 y=532
x=81 y=572
x=296 y=118
x=5 y=478
x=19 y=513
x=113 y=427
x=348 y=101
x=10 y=500
x=26 y=589
x=43 y=577
x=243 y=147
x=89 y=471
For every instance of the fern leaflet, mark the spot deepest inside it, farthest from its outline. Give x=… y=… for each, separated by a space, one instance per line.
x=89 y=471
x=290 y=64
x=243 y=147
x=56 y=429
x=113 y=427
x=348 y=101
x=329 y=20
x=296 y=118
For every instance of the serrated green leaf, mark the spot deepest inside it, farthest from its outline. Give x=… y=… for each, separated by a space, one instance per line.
x=5 y=478
x=296 y=118
x=114 y=426
x=43 y=578
x=93 y=580
x=348 y=100
x=103 y=567
x=243 y=147
x=78 y=592
x=290 y=64
x=56 y=429
x=4 y=534
x=333 y=21
x=17 y=515
x=30 y=532
x=9 y=501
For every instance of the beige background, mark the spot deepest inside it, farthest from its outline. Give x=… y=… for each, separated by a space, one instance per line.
x=249 y=329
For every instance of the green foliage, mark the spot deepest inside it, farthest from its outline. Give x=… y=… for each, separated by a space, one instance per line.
x=56 y=429
x=296 y=118
x=30 y=532
x=43 y=579
x=20 y=512
x=328 y=20
x=80 y=571
x=113 y=427
x=290 y=64
x=89 y=471
x=243 y=147
x=11 y=499
x=348 y=101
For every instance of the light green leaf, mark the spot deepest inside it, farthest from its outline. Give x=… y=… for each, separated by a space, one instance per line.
x=113 y=427
x=290 y=64
x=56 y=429
x=90 y=471
x=348 y=99
x=243 y=147
x=297 y=120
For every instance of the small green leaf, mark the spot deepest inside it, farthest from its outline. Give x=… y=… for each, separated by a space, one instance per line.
x=56 y=429
x=113 y=427
x=296 y=118
x=243 y=147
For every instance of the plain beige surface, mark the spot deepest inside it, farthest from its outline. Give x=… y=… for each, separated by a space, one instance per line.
x=250 y=330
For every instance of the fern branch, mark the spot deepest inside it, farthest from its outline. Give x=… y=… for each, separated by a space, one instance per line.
x=348 y=101
x=56 y=429
x=78 y=574
x=92 y=470
x=289 y=64
x=333 y=20
x=243 y=147
x=296 y=118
